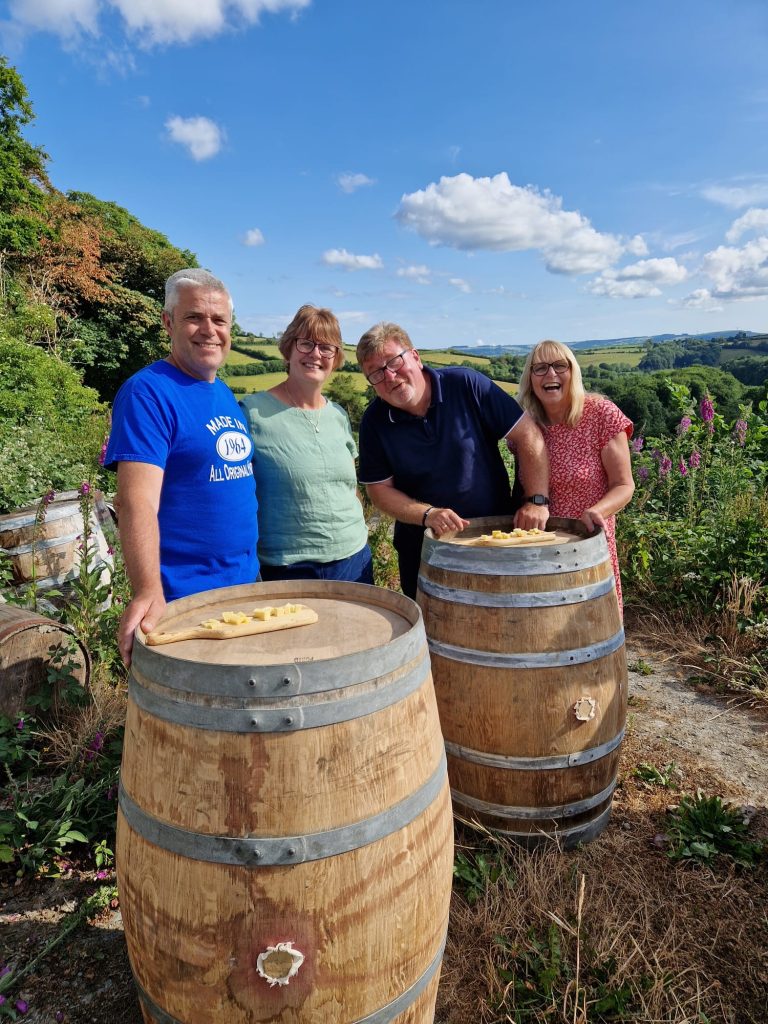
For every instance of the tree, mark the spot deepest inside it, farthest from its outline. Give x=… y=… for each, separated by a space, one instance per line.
x=23 y=178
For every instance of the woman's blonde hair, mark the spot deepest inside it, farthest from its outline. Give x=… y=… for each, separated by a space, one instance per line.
x=549 y=351
x=317 y=324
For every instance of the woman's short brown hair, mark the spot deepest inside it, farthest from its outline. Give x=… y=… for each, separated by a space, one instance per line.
x=318 y=325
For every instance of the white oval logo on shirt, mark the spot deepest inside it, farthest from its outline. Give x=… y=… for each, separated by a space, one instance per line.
x=234 y=446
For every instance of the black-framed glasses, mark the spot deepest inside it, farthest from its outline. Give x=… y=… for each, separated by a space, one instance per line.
x=306 y=345
x=393 y=365
x=560 y=366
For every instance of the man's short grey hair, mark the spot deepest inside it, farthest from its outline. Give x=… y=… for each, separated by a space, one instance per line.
x=192 y=277
x=373 y=341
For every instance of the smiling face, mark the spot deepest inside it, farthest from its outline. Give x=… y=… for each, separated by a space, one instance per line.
x=405 y=387
x=199 y=328
x=552 y=389
x=310 y=366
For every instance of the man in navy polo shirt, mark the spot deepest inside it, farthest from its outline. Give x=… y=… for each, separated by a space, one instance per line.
x=429 y=451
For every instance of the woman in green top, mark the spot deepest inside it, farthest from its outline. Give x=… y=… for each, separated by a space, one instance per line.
x=311 y=523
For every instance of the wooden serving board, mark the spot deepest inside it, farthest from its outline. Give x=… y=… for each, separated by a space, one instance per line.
x=227 y=630
x=512 y=542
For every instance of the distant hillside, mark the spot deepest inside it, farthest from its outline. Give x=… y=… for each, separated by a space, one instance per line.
x=517 y=350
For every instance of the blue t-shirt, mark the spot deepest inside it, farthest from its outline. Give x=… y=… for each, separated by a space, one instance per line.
x=449 y=458
x=194 y=431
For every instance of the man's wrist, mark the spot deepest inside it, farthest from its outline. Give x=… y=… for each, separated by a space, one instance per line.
x=431 y=508
x=536 y=499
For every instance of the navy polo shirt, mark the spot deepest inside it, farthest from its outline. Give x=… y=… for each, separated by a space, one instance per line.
x=448 y=458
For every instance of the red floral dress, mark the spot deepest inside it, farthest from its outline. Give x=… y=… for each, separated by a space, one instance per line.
x=577 y=476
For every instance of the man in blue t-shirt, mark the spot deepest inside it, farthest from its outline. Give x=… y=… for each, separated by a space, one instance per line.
x=429 y=451
x=186 y=493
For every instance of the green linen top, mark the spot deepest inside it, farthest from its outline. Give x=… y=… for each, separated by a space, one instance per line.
x=304 y=466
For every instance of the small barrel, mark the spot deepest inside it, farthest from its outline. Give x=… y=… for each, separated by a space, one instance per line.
x=284 y=843
x=28 y=643
x=45 y=543
x=530 y=672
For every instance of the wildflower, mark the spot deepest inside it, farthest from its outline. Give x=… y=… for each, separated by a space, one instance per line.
x=110 y=549
x=2 y=1000
x=5 y=969
x=642 y=474
x=707 y=411
x=103 y=452
x=637 y=444
x=102 y=874
x=684 y=426
x=695 y=460
x=48 y=497
x=665 y=465
x=112 y=793
x=22 y=1006
x=740 y=431
x=59 y=1017
x=20 y=725
x=683 y=468
x=84 y=488
x=656 y=454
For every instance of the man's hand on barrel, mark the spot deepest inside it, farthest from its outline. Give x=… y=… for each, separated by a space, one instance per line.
x=443 y=520
x=145 y=611
x=530 y=517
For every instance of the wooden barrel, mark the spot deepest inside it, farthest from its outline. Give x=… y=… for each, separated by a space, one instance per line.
x=50 y=552
x=284 y=843
x=28 y=642
x=530 y=672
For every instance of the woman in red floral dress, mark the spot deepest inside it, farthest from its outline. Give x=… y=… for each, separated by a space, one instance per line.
x=587 y=439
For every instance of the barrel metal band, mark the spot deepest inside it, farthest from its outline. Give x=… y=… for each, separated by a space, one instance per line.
x=535 y=560
x=535 y=813
x=258 y=717
x=550 y=598
x=585 y=831
x=42 y=545
x=385 y=1015
x=285 y=850
x=529 y=659
x=534 y=764
x=286 y=679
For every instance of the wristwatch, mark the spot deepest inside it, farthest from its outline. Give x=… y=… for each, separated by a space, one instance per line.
x=537 y=499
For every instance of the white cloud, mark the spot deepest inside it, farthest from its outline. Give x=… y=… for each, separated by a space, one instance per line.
x=753 y=220
x=351 y=182
x=736 y=196
x=419 y=273
x=460 y=283
x=349 y=261
x=65 y=18
x=701 y=299
x=738 y=273
x=152 y=21
x=492 y=213
x=253 y=237
x=202 y=137
x=639 y=280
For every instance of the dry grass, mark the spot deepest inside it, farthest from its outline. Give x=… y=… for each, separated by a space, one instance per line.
x=613 y=921
x=714 y=645
x=72 y=728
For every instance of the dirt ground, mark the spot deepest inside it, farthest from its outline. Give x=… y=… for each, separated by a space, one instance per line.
x=720 y=742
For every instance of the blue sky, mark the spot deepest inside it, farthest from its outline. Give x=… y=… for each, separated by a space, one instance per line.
x=493 y=172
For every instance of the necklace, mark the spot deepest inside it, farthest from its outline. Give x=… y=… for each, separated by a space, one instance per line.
x=314 y=421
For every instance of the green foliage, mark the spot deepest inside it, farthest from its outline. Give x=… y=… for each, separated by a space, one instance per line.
x=702 y=828
x=700 y=513
x=343 y=390
x=476 y=871
x=51 y=426
x=653 y=776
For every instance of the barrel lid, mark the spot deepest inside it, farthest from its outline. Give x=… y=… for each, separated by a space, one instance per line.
x=353 y=618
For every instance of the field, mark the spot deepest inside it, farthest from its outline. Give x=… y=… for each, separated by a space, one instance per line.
x=631 y=355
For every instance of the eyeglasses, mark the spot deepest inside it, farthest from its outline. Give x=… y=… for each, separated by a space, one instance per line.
x=393 y=365
x=560 y=366
x=306 y=345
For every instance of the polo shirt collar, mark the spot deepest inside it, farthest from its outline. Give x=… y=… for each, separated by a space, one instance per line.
x=401 y=416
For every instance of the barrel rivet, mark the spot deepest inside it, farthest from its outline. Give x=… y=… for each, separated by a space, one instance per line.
x=291 y=851
x=251 y=682
x=288 y=720
x=254 y=721
x=286 y=680
x=257 y=854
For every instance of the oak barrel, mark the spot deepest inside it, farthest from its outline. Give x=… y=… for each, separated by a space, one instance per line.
x=285 y=796
x=28 y=644
x=528 y=658
x=45 y=542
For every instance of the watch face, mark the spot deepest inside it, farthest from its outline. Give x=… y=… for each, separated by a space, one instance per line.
x=538 y=499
